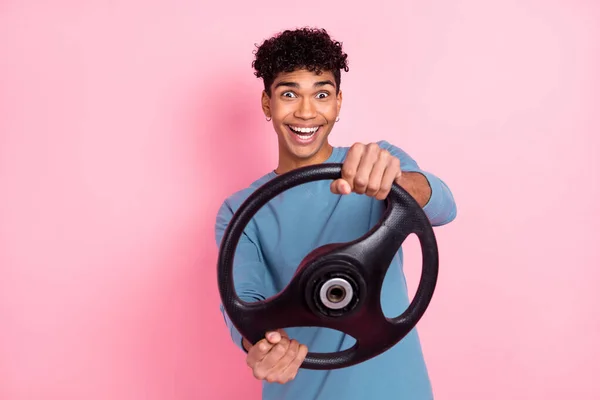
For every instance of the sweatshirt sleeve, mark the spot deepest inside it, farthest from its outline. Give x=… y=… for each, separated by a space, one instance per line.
x=441 y=207
x=251 y=277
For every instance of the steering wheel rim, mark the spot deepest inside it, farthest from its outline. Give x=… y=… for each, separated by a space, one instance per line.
x=342 y=261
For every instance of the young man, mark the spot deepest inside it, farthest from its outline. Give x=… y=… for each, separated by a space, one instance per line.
x=302 y=99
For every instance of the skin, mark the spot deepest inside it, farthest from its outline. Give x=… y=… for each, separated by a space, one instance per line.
x=306 y=99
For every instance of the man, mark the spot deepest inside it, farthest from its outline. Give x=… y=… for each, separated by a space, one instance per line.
x=302 y=99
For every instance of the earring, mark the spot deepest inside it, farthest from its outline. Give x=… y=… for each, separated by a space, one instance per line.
x=338 y=119
x=268 y=119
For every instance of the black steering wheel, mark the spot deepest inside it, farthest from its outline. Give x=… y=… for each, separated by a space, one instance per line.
x=337 y=285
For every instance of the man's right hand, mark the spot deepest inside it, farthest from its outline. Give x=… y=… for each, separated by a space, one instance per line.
x=276 y=358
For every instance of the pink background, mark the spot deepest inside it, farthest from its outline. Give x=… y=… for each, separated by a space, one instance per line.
x=124 y=124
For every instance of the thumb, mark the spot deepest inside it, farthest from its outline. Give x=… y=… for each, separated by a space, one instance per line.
x=340 y=186
x=273 y=337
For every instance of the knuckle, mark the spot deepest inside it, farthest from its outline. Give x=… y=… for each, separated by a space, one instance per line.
x=359 y=181
x=373 y=147
x=348 y=172
x=294 y=347
x=258 y=374
x=357 y=146
x=395 y=161
x=293 y=352
x=304 y=351
x=279 y=349
x=372 y=188
x=262 y=346
x=384 y=191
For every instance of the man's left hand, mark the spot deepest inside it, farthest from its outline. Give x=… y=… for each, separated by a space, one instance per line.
x=368 y=169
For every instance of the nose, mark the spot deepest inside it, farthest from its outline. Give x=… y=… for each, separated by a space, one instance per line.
x=306 y=109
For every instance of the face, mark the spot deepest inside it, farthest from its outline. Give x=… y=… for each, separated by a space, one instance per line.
x=303 y=107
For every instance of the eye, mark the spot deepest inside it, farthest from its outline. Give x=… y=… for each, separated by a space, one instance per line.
x=322 y=95
x=288 y=94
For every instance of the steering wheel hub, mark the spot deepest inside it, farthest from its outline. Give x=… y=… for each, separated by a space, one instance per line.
x=333 y=289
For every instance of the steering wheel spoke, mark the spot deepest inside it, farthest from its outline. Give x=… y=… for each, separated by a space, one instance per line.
x=280 y=311
x=373 y=332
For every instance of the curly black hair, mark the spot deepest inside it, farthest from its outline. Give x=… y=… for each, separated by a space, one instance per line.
x=304 y=48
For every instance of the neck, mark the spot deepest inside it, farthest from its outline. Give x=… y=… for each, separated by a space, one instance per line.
x=288 y=162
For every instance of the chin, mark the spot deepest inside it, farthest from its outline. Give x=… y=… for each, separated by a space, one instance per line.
x=304 y=151
x=304 y=154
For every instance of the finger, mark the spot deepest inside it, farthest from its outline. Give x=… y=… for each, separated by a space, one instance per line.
x=291 y=370
x=260 y=349
x=377 y=173
x=263 y=367
x=369 y=158
x=258 y=352
x=351 y=163
x=277 y=373
x=392 y=172
x=340 y=186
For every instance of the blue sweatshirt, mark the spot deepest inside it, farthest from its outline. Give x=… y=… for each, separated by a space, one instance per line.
x=277 y=239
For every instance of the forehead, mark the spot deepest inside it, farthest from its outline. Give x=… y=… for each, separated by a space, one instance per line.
x=304 y=79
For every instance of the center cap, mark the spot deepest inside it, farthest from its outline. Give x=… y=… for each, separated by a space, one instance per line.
x=334 y=289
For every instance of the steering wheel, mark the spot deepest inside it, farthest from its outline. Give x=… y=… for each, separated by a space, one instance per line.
x=338 y=285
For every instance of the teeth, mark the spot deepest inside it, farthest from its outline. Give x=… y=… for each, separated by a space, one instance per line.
x=307 y=131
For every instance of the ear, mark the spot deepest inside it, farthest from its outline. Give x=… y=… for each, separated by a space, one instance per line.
x=339 y=101
x=266 y=104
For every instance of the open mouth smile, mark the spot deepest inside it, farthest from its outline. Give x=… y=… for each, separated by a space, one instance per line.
x=304 y=135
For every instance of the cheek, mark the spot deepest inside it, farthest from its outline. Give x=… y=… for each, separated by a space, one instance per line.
x=281 y=111
x=329 y=110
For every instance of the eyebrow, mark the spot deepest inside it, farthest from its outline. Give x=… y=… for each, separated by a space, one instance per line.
x=297 y=86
